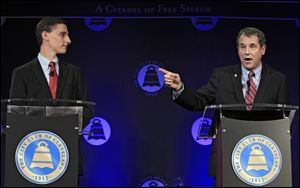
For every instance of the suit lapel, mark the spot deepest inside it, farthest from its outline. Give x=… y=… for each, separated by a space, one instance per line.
x=38 y=72
x=63 y=74
x=264 y=80
x=236 y=80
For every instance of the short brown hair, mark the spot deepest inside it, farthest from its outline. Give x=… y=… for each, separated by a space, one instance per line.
x=249 y=31
x=47 y=24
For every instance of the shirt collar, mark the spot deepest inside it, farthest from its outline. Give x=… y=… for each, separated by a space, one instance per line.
x=257 y=72
x=45 y=62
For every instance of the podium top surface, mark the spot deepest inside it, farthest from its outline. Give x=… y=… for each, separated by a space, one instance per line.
x=259 y=112
x=46 y=108
x=256 y=106
x=46 y=102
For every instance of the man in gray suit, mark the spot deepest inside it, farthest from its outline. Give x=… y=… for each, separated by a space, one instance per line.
x=230 y=85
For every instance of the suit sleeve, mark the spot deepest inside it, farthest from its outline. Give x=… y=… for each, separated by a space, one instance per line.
x=196 y=101
x=18 y=87
x=82 y=94
x=283 y=93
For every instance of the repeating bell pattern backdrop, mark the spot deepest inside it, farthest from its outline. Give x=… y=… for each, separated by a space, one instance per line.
x=142 y=138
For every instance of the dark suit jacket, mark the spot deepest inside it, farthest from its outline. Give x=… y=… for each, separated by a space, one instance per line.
x=28 y=81
x=224 y=87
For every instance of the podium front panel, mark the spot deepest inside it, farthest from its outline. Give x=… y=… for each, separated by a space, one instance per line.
x=256 y=153
x=41 y=151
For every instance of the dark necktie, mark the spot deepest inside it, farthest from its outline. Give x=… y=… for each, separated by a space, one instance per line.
x=251 y=91
x=53 y=79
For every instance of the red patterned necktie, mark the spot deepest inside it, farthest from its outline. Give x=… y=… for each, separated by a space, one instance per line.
x=53 y=79
x=251 y=91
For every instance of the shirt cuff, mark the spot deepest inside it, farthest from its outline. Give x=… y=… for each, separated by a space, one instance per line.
x=176 y=94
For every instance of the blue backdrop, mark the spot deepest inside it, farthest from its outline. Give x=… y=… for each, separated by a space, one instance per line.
x=145 y=135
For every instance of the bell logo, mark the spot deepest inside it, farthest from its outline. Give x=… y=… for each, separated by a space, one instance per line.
x=149 y=79
x=204 y=23
x=98 y=23
x=97 y=132
x=42 y=157
x=256 y=160
x=200 y=131
x=153 y=181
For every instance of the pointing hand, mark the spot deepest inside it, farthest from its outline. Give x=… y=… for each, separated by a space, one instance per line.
x=172 y=80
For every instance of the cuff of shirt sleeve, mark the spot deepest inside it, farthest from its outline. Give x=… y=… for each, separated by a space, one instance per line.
x=176 y=94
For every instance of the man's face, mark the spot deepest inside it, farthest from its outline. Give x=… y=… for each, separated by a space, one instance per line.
x=250 y=51
x=58 y=39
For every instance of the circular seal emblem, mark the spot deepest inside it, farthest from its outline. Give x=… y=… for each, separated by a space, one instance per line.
x=98 y=23
x=42 y=157
x=256 y=160
x=204 y=23
x=149 y=78
x=99 y=131
x=153 y=181
x=200 y=131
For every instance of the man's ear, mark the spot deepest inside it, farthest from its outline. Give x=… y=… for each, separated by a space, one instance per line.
x=45 y=35
x=264 y=47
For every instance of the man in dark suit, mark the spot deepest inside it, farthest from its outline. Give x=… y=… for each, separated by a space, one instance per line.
x=232 y=85
x=32 y=80
x=46 y=76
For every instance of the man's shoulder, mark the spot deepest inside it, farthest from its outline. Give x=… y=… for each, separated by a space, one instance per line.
x=70 y=65
x=272 y=71
x=228 y=69
x=27 y=65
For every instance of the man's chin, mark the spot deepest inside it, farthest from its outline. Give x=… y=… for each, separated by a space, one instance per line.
x=248 y=66
x=62 y=52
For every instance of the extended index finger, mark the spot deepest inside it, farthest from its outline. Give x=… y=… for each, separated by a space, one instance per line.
x=168 y=74
x=163 y=71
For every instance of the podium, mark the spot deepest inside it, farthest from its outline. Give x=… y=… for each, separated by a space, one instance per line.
x=253 y=148
x=42 y=141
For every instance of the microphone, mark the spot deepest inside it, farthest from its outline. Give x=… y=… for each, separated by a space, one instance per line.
x=248 y=83
x=51 y=73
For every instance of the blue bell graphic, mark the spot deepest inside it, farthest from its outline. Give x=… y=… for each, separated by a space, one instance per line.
x=97 y=131
x=151 y=77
